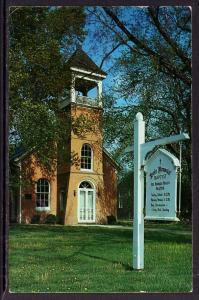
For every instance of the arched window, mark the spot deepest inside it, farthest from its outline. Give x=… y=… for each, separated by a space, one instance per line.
x=85 y=185
x=86 y=157
x=43 y=194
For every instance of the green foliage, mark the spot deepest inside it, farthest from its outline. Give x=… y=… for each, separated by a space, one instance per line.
x=83 y=124
x=41 y=40
x=152 y=75
x=111 y=220
x=92 y=259
x=35 y=219
x=51 y=219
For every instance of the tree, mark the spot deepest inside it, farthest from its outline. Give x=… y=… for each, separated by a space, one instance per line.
x=41 y=40
x=153 y=75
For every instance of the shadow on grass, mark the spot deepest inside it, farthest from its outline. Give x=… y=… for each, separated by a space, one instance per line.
x=167 y=237
x=127 y=267
x=98 y=234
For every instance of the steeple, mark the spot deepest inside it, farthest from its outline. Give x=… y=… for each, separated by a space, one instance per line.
x=82 y=61
x=85 y=75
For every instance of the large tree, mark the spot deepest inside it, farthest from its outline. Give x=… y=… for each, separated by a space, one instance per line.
x=152 y=75
x=40 y=41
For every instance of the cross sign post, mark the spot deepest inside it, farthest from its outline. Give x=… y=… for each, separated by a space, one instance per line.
x=140 y=151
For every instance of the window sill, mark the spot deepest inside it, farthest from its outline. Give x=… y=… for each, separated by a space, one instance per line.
x=42 y=208
x=86 y=222
x=86 y=170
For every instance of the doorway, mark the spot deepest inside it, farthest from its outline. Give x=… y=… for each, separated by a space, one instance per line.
x=86 y=202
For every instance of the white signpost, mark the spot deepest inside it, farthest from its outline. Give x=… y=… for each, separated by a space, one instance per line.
x=161 y=186
x=141 y=149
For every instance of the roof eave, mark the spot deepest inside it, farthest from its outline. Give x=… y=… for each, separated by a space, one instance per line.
x=94 y=73
x=114 y=163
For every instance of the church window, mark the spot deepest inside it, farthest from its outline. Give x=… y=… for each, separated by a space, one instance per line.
x=42 y=194
x=85 y=185
x=86 y=157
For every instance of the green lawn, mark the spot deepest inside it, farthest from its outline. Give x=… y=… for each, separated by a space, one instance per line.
x=44 y=258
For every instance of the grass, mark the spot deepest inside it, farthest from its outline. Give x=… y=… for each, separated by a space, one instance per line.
x=44 y=258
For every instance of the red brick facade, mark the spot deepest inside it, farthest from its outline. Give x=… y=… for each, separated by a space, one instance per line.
x=83 y=189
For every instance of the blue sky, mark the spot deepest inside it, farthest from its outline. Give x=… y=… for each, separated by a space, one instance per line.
x=131 y=16
x=137 y=21
x=96 y=52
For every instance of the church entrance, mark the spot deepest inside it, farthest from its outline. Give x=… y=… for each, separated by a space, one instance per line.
x=86 y=202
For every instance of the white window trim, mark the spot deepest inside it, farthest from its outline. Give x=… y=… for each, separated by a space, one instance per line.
x=120 y=202
x=42 y=208
x=91 y=169
x=87 y=170
x=45 y=208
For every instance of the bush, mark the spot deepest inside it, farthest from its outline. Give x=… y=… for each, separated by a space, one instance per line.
x=111 y=220
x=35 y=219
x=60 y=220
x=51 y=219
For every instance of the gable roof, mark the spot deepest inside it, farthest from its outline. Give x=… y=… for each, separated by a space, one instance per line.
x=81 y=60
x=113 y=162
x=21 y=152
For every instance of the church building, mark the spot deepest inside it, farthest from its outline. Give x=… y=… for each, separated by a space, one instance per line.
x=84 y=191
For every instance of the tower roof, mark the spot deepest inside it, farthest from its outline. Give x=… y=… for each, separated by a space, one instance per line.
x=81 y=60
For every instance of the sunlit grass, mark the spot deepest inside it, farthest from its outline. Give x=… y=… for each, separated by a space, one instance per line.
x=93 y=259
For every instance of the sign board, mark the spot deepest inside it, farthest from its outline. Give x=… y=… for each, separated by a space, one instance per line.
x=161 y=186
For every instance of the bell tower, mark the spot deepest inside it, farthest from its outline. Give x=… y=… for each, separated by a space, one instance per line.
x=84 y=75
x=80 y=181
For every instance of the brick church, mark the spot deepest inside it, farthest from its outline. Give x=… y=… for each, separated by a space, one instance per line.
x=85 y=192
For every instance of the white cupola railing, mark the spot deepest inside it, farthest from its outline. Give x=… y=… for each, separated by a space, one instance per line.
x=86 y=100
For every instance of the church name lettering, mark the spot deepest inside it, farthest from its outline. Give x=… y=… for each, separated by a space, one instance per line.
x=160 y=197
x=161 y=186
x=159 y=170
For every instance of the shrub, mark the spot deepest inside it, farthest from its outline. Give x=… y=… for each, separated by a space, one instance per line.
x=35 y=219
x=60 y=220
x=111 y=220
x=51 y=219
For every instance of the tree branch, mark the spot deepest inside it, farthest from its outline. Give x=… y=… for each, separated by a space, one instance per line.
x=172 y=70
x=109 y=53
x=12 y=11
x=183 y=27
x=112 y=29
x=154 y=15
